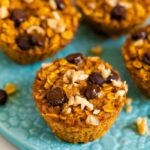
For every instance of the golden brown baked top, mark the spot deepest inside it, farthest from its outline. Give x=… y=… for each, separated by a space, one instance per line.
x=79 y=90
x=37 y=26
x=136 y=52
x=118 y=13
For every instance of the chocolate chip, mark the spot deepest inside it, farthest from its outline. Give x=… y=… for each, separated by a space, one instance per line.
x=96 y=78
x=56 y=96
x=3 y=97
x=24 y=42
x=146 y=58
x=118 y=13
x=91 y=91
x=77 y=58
x=37 y=40
x=139 y=35
x=60 y=4
x=113 y=76
x=18 y=16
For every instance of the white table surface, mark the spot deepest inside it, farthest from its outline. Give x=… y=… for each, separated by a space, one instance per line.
x=5 y=145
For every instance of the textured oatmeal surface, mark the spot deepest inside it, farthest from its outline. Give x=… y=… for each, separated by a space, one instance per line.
x=37 y=29
x=136 y=53
x=114 y=16
x=31 y=132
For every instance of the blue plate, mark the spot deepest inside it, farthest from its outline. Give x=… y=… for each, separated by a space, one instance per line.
x=22 y=124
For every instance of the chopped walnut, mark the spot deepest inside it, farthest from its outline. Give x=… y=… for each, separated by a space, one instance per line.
x=117 y=83
x=53 y=4
x=125 y=86
x=71 y=101
x=45 y=65
x=92 y=120
x=96 y=111
x=56 y=25
x=120 y=93
x=142 y=125
x=105 y=72
x=56 y=15
x=3 y=12
x=66 y=110
x=78 y=100
x=101 y=94
x=38 y=29
x=112 y=3
x=74 y=76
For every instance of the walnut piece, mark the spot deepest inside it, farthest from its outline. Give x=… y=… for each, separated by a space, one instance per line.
x=92 y=120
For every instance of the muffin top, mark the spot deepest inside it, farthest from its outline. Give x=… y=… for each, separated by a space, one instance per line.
x=136 y=52
x=79 y=90
x=118 y=13
x=37 y=26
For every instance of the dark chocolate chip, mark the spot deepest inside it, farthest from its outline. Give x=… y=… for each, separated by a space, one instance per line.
x=37 y=40
x=56 y=97
x=24 y=42
x=3 y=97
x=91 y=91
x=60 y=4
x=77 y=58
x=118 y=13
x=113 y=76
x=96 y=78
x=18 y=16
x=139 y=35
x=146 y=58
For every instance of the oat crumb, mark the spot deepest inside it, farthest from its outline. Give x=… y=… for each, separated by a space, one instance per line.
x=128 y=104
x=128 y=101
x=142 y=125
x=10 y=88
x=97 y=50
x=129 y=109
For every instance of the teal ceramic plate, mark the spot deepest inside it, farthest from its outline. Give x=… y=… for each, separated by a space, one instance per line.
x=21 y=123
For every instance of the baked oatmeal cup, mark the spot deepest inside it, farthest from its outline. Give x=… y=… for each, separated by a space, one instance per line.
x=114 y=17
x=136 y=53
x=79 y=97
x=32 y=30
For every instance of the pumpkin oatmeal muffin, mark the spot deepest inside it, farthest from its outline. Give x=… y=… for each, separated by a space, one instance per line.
x=32 y=30
x=136 y=53
x=114 y=17
x=79 y=97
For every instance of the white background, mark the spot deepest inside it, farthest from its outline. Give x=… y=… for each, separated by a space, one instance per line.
x=5 y=145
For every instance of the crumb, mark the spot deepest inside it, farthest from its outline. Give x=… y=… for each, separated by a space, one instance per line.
x=128 y=105
x=10 y=88
x=129 y=109
x=142 y=125
x=128 y=101
x=97 y=50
